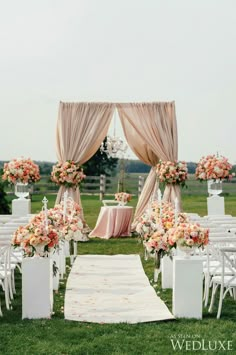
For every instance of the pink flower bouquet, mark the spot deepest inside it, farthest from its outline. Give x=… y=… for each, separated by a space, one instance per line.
x=170 y=172
x=21 y=170
x=123 y=197
x=69 y=174
x=213 y=167
x=188 y=235
x=35 y=235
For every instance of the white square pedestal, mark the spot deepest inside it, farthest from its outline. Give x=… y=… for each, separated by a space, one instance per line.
x=37 y=292
x=21 y=207
x=187 y=287
x=166 y=272
x=215 y=205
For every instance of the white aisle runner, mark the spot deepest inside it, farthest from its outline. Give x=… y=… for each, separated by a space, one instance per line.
x=112 y=289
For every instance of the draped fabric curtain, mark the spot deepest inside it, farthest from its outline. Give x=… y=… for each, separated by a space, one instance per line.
x=151 y=132
x=81 y=128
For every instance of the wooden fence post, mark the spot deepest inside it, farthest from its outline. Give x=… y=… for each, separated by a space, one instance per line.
x=102 y=186
x=140 y=184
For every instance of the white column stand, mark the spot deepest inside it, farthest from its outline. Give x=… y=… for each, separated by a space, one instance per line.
x=37 y=287
x=62 y=260
x=21 y=207
x=187 y=287
x=215 y=205
x=166 y=272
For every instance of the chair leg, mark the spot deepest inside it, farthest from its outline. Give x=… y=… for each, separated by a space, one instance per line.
x=220 y=301
x=6 y=291
x=207 y=288
x=214 y=289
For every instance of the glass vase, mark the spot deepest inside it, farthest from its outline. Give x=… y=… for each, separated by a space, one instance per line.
x=21 y=190
x=214 y=187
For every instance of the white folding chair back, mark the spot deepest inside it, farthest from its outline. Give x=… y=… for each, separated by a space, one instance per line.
x=226 y=281
x=213 y=266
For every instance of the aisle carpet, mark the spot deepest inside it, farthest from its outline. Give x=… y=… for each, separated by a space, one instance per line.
x=111 y=289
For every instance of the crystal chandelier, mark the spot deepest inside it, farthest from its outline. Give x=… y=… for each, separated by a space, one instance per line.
x=114 y=146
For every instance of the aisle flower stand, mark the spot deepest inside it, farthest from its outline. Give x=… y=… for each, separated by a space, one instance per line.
x=187 y=287
x=37 y=287
x=166 y=272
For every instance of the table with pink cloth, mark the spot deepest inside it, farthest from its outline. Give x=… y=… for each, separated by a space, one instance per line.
x=113 y=221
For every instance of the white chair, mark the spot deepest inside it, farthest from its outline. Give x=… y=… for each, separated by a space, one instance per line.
x=226 y=282
x=5 y=274
x=213 y=266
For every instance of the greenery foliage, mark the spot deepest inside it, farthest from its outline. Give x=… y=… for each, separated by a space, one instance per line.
x=4 y=203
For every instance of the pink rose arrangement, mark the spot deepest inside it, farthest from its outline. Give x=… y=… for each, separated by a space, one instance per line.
x=123 y=197
x=188 y=235
x=35 y=234
x=158 y=243
x=213 y=167
x=175 y=172
x=69 y=174
x=47 y=233
x=21 y=170
x=146 y=226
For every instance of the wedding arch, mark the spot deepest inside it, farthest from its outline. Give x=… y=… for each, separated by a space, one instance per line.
x=150 y=129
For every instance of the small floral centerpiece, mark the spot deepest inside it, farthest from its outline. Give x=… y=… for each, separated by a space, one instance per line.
x=213 y=167
x=69 y=174
x=21 y=170
x=123 y=197
x=188 y=235
x=170 y=172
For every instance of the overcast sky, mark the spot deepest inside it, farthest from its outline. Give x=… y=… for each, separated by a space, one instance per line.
x=118 y=50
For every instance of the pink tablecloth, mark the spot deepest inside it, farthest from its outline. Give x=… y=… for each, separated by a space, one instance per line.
x=113 y=221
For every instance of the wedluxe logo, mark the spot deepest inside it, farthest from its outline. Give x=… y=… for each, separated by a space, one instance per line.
x=186 y=342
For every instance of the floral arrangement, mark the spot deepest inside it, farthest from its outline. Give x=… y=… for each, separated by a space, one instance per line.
x=69 y=174
x=35 y=235
x=213 y=167
x=21 y=170
x=146 y=226
x=188 y=235
x=170 y=172
x=71 y=226
x=123 y=197
x=44 y=234
x=158 y=242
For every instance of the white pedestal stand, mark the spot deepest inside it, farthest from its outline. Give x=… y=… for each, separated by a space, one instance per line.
x=215 y=205
x=187 y=287
x=62 y=260
x=21 y=206
x=37 y=290
x=166 y=272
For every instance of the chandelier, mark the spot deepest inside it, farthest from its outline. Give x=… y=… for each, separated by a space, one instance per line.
x=114 y=146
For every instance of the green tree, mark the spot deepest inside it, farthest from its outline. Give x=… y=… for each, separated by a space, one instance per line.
x=100 y=164
x=4 y=204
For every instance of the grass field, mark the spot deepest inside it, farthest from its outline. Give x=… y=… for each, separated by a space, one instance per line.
x=57 y=336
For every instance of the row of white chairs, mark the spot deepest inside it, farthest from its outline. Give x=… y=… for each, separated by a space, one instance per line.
x=10 y=258
x=219 y=258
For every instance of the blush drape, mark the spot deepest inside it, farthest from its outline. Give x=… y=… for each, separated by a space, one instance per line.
x=151 y=132
x=81 y=128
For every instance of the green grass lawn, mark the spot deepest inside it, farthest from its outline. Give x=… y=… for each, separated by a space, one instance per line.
x=58 y=336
